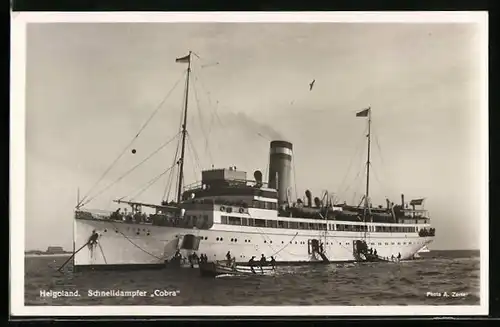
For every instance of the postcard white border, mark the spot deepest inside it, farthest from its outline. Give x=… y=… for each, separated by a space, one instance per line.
x=17 y=160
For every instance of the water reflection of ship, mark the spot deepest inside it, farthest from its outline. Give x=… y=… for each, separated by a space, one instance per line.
x=249 y=217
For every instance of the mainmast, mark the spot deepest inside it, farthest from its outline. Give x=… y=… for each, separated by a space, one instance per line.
x=367 y=113
x=186 y=59
x=367 y=192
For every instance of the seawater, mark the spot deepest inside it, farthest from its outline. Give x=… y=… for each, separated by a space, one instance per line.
x=439 y=278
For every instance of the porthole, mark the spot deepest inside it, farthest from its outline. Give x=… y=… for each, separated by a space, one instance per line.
x=116 y=231
x=206 y=237
x=221 y=239
x=295 y=242
x=148 y=234
x=270 y=241
x=282 y=242
x=236 y=240
x=105 y=230
x=217 y=239
x=232 y=240
x=137 y=233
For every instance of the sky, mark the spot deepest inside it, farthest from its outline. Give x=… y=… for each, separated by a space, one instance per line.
x=91 y=87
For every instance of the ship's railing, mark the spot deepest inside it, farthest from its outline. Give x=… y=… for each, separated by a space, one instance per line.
x=244 y=183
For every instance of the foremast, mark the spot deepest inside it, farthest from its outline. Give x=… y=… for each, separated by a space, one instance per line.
x=186 y=59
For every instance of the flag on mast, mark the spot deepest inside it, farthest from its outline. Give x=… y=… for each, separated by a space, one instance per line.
x=185 y=59
x=363 y=113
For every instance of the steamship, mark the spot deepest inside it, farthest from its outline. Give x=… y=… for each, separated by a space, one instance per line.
x=228 y=212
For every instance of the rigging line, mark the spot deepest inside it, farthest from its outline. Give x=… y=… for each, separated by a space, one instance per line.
x=168 y=187
x=361 y=170
x=131 y=170
x=193 y=164
x=207 y=147
x=353 y=181
x=358 y=148
x=382 y=161
x=295 y=178
x=209 y=98
x=382 y=185
x=137 y=246
x=195 y=153
x=213 y=111
x=271 y=247
x=132 y=141
x=102 y=252
x=152 y=182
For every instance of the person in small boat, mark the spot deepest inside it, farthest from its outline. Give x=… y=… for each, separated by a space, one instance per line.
x=273 y=262
x=233 y=262
x=263 y=262
x=375 y=252
x=251 y=263
x=392 y=257
x=194 y=259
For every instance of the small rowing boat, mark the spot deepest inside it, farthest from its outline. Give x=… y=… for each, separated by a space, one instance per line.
x=213 y=269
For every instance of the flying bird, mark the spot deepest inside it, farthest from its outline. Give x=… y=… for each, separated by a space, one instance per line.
x=311 y=85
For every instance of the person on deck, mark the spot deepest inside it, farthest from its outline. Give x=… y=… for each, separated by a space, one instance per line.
x=392 y=257
x=375 y=252
x=399 y=256
x=251 y=262
x=93 y=238
x=228 y=258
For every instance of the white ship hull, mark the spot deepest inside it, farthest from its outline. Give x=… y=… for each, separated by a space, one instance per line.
x=145 y=245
